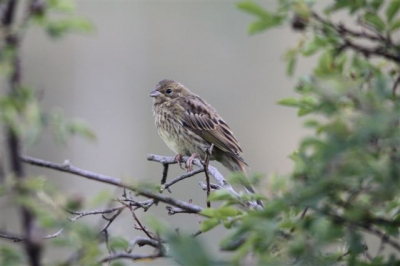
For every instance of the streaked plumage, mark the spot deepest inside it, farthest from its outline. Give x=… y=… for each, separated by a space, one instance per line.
x=189 y=125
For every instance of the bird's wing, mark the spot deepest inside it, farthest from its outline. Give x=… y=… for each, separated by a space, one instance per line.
x=204 y=120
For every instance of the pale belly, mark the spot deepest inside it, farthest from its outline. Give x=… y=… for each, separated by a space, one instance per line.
x=178 y=145
x=175 y=144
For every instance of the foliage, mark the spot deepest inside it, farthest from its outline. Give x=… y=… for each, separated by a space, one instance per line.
x=345 y=183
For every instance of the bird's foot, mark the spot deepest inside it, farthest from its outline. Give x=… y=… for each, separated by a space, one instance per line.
x=178 y=158
x=189 y=162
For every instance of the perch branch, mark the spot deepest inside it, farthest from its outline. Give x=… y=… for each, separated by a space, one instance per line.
x=211 y=170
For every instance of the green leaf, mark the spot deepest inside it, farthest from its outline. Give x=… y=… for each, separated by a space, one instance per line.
x=117 y=263
x=376 y=4
x=395 y=25
x=189 y=250
x=118 y=243
x=209 y=212
x=259 y=26
x=292 y=102
x=228 y=211
x=392 y=9
x=254 y=9
x=79 y=127
x=222 y=194
x=265 y=19
x=66 y=6
x=208 y=224
x=312 y=46
x=58 y=28
x=375 y=21
x=291 y=64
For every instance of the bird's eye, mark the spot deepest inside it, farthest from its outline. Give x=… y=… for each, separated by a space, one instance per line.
x=168 y=91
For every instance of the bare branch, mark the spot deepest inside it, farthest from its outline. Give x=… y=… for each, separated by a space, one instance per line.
x=142 y=241
x=11 y=236
x=129 y=256
x=68 y=168
x=85 y=213
x=172 y=210
x=17 y=238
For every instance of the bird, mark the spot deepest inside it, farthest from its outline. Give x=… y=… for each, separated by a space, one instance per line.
x=189 y=126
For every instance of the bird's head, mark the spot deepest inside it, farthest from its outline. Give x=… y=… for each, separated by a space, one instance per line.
x=168 y=90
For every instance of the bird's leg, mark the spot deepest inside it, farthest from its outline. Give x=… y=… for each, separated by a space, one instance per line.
x=189 y=161
x=178 y=158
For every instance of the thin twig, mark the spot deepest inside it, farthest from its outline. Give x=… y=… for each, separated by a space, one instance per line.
x=17 y=238
x=86 y=213
x=199 y=232
x=342 y=256
x=106 y=239
x=164 y=173
x=181 y=177
x=145 y=205
x=110 y=220
x=138 y=222
x=206 y=164
x=142 y=241
x=134 y=257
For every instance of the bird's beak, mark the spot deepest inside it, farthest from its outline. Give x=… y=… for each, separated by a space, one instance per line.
x=155 y=93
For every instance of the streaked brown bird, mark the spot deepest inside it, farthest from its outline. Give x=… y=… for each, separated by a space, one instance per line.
x=189 y=125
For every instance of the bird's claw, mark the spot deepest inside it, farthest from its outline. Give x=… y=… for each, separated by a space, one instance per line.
x=189 y=162
x=178 y=158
